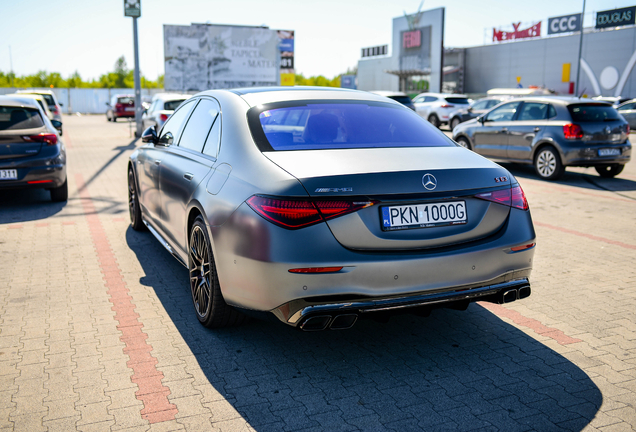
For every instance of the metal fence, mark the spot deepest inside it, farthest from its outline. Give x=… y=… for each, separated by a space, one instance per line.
x=87 y=100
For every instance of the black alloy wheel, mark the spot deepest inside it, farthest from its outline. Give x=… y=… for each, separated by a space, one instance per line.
x=133 y=203
x=434 y=120
x=547 y=164
x=209 y=305
x=609 y=170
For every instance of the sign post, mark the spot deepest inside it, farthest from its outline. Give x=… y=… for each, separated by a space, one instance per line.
x=132 y=8
x=578 y=64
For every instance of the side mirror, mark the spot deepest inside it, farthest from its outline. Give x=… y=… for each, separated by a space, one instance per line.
x=150 y=135
x=107 y=104
x=166 y=139
x=470 y=109
x=481 y=119
x=60 y=104
x=57 y=124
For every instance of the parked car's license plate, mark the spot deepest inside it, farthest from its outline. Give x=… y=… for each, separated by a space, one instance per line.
x=609 y=152
x=8 y=174
x=130 y=108
x=424 y=215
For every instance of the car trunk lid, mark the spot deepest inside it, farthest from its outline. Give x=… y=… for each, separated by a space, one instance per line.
x=407 y=180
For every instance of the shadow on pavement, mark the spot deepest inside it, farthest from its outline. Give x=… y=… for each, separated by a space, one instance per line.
x=452 y=371
x=571 y=178
x=23 y=205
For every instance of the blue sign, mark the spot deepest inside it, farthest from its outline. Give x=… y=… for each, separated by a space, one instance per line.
x=286 y=45
x=348 y=81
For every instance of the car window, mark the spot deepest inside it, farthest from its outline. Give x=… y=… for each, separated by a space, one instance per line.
x=481 y=105
x=430 y=99
x=551 y=111
x=13 y=118
x=172 y=105
x=504 y=113
x=493 y=102
x=418 y=99
x=49 y=99
x=126 y=100
x=172 y=127
x=198 y=127
x=628 y=106
x=213 y=141
x=340 y=125
x=533 y=111
x=405 y=100
x=457 y=100
x=584 y=113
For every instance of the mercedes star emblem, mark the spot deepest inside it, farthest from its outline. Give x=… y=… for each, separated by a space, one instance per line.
x=429 y=181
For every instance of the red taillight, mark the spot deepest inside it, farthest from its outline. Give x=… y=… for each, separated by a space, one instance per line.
x=299 y=213
x=524 y=247
x=447 y=106
x=163 y=117
x=56 y=111
x=513 y=197
x=572 y=131
x=316 y=270
x=48 y=138
x=39 y=181
x=118 y=107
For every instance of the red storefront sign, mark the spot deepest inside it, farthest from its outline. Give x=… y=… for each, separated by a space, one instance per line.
x=502 y=35
x=411 y=39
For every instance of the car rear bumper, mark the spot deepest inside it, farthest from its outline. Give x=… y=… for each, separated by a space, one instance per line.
x=589 y=156
x=36 y=172
x=254 y=257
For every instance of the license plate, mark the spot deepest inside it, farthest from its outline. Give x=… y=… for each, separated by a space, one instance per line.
x=609 y=152
x=9 y=174
x=130 y=108
x=424 y=215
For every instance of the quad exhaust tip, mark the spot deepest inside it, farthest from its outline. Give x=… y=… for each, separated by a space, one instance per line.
x=322 y=322
x=514 y=294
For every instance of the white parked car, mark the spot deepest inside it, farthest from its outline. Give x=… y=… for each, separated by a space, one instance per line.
x=161 y=107
x=437 y=107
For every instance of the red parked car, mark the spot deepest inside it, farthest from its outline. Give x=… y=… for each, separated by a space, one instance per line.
x=120 y=106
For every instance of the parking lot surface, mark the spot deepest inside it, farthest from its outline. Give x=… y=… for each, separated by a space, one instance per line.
x=98 y=333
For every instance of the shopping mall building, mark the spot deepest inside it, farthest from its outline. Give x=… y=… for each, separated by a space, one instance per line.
x=543 y=54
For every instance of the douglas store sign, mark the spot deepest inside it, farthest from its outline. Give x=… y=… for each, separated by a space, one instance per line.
x=616 y=17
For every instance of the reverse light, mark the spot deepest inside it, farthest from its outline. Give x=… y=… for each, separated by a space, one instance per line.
x=299 y=213
x=48 y=138
x=513 y=197
x=572 y=131
x=313 y=270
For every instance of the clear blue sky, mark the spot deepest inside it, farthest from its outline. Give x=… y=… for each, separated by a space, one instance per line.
x=89 y=35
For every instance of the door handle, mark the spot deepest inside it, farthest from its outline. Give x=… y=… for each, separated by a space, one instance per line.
x=537 y=129
x=157 y=162
x=188 y=176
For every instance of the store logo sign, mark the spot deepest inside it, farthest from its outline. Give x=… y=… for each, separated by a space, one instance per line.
x=564 y=24
x=616 y=17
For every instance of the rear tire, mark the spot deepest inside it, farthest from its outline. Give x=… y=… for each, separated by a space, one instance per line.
x=609 y=170
x=209 y=305
x=434 y=120
x=454 y=123
x=60 y=194
x=114 y=118
x=547 y=164
x=134 y=209
x=463 y=141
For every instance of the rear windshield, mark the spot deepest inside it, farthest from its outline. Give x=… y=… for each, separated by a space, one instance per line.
x=588 y=113
x=13 y=118
x=172 y=105
x=405 y=100
x=457 y=100
x=340 y=125
x=49 y=99
x=126 y=100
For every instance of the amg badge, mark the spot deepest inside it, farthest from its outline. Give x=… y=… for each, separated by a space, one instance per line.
x=344 y=189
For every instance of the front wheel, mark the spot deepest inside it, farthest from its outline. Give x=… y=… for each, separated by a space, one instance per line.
x=134 y=209
x=454 y=123
x=609 y=170
x=547 y=164
x=209 y=305
x=463 y=141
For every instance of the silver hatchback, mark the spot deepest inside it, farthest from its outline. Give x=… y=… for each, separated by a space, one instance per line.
x=551 y=133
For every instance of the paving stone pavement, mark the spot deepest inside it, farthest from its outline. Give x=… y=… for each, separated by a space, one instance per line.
x=97 y=330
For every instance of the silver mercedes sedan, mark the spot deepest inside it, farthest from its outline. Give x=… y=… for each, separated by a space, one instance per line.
x=320 y=207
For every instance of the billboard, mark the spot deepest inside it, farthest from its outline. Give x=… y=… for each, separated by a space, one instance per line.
x=503 y=35
x=616 y=17
x=203 y=56
x=564 y=24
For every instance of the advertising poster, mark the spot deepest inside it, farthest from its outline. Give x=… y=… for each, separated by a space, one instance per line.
x=286 y=47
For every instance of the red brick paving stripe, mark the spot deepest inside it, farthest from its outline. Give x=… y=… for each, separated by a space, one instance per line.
x=547 y=186
x=18 y=226
x=152 y=392
x=531 y=323
x=586 y=235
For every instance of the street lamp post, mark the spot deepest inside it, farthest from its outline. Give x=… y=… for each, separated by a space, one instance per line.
x=132 y=8
x=578 y=65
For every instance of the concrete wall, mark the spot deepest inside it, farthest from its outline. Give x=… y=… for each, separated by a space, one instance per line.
x=371 y=75
x=540 y=61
